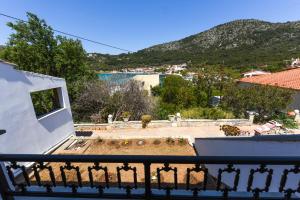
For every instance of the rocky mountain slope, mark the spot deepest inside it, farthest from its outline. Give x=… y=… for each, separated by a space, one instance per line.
x=236 y=43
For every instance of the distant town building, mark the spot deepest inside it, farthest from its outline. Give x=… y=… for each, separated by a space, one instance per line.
x=255 y=73
x=176 y=68
x=295 y=62
x=289 y=79
x=148 y=81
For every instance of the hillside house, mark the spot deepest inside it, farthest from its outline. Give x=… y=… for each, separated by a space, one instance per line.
x=288 y=79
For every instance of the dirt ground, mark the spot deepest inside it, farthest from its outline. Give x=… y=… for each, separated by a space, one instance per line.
x=177 y=147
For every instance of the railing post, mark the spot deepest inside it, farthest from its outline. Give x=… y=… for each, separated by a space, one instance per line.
x=4 y=184
x=147 y=174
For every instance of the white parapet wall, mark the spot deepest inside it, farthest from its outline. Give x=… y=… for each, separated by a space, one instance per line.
x=25 y=132
x=269 y=145
x=164 y=123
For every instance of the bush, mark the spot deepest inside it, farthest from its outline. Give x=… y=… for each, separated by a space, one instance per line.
x=156 y=142
x=162 y=110
x=126 y=142
x=99 y=140
x=231 y=130
x=114 y=142
x=126 y=114
x=182 y=141
x=205 y=113
x=170 y=140
x=287 y=121
x=146 y=119
x=96 y=118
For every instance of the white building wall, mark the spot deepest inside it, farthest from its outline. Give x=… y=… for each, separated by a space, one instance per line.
x=24 y=132
x=148 y=80
x=254 y=146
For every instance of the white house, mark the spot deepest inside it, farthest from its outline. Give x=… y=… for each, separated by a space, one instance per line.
x=255 y=73
x=25 y=131
x=295 y=62
x=148 y=81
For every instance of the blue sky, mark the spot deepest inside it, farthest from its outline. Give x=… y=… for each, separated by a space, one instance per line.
x=137 y=24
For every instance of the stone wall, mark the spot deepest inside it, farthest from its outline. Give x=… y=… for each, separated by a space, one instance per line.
x=165 y=123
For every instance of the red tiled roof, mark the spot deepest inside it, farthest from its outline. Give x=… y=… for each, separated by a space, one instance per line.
x=285 y=79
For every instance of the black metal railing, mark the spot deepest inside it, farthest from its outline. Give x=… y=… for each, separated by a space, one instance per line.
x=18 y=180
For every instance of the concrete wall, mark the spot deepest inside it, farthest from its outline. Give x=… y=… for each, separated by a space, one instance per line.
x=165 y=123
x=25 y=133
x=277 y=145
x=148 y=80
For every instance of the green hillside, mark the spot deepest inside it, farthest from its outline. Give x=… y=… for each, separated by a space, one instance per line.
x=237 y=44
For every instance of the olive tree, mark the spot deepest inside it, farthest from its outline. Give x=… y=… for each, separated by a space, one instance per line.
x=265 y=100
x=101 y=98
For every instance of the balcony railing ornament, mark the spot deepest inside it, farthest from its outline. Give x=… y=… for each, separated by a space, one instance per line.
x=97 y=168
x=24 y=185
x=73 y=185
x=197 y=169
x=126 y=168
x=289 y=191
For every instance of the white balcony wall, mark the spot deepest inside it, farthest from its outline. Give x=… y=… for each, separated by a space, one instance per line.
x=25 y=133
x=276 y=145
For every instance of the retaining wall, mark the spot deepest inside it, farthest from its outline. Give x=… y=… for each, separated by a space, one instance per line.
x=164 y=123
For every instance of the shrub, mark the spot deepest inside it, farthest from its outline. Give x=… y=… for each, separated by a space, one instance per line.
x=126 y=142
x=205 y=113
x=113 y=142
x=126 y=114
x=96 y=118
x=146 y=119
x=286 y=120
x=182 y=141
x=156 y=142
x=170 y=140
x=230 y=130
x=99 y=140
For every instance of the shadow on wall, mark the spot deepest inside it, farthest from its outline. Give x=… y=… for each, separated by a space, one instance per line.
x=56 y=119
x=11 y=75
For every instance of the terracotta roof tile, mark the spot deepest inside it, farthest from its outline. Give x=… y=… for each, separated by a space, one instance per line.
x=285 y=79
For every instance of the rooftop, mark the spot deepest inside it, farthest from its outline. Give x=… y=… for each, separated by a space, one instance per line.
x=284 y=79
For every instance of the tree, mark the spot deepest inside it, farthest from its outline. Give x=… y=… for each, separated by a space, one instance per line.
x=98 y=99
x=265 y=100
x=211 y=81
x=33 y=47
x=177 y=91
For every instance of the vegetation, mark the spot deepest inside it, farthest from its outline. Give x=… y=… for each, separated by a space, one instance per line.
x=237 y=44
x=146 y=119
x=97 y=100
x=267 y=101
x=212 y=54
x=192 y=99
x=182 y=141
x=126 y=114
x=231 y=130
x=156 y=142
x=170 y=141
x=206 y=113
x=33 y=47
x=287 y=121
x=45 y=101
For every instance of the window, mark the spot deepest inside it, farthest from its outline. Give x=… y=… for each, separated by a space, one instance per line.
x=46 y=101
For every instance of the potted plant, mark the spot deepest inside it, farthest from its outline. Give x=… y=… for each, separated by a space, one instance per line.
x=146 y=119
x=125 y=115
x=171 y=118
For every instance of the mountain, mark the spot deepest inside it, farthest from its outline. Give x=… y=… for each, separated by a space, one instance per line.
x=237 y=43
